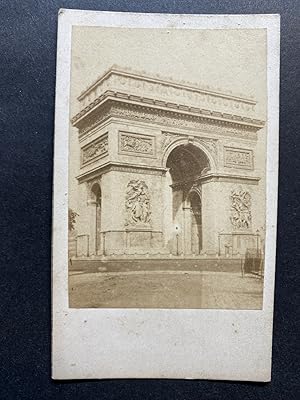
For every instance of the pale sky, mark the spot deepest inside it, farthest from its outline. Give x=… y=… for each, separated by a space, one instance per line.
x=226 y=59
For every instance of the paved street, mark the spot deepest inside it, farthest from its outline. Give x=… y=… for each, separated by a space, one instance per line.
x=169 y=289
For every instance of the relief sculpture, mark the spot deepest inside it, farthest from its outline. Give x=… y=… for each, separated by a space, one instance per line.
x=94 y=150
x=240 y=209
x=130 y=143
x=137 y=203
x=238 y=158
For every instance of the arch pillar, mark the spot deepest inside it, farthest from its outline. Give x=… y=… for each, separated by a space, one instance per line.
x=186 y=222
x=195 y=201
x=92 y=218
x=187 y=227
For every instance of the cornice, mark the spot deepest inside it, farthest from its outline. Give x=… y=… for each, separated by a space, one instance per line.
x=142 y=88
x=160 y=171
x=156 y=106
x=230 y=178
x=119 y=166
x=218 y=177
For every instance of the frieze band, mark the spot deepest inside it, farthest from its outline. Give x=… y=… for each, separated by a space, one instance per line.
x=238 y=158
x=94 y=150
x=136 y=144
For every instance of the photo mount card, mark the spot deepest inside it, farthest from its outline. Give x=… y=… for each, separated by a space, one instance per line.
x=165 y=196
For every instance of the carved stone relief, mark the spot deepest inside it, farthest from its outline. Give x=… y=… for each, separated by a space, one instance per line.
x=238 y=158
x=169 y=118
x=137 y=204
x=97 y=148
x=241 y=217
x=210 y=145
x=168 y=138
x=137 y=144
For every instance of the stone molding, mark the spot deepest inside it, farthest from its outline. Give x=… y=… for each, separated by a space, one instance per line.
x=92 y=120
x=168 y=118
x=98 y=171
x=237 y=120
x=216 y=177
x=238 y=158
x=229 y=178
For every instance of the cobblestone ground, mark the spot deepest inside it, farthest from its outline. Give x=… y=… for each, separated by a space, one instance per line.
x=165 y=290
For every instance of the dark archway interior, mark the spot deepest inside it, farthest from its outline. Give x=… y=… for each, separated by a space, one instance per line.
x=97 y=193
x=186 y=163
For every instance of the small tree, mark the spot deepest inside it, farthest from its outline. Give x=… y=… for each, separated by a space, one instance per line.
x=72 y=219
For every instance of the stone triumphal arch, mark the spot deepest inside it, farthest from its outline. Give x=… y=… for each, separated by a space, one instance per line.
x=166 y=168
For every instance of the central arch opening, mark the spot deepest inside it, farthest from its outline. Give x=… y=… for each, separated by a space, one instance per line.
x=186 y=164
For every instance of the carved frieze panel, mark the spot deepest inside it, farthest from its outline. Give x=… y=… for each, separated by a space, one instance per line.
x=238 y=158
x=241 y=217
x=137 y=203
x=94 y=150
x=169 y=118
x=166 y=118
x=136 y=144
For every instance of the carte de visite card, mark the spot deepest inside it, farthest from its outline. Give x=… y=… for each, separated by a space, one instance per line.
x=165 y=195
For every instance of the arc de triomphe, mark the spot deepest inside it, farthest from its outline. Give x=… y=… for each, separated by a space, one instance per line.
x=167 y=168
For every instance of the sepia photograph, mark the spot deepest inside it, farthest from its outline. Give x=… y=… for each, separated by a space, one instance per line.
x=165 y=195
x=167 y=168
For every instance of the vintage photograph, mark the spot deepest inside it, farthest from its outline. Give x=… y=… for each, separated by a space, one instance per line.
x=165 y=195
x=167 y=168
